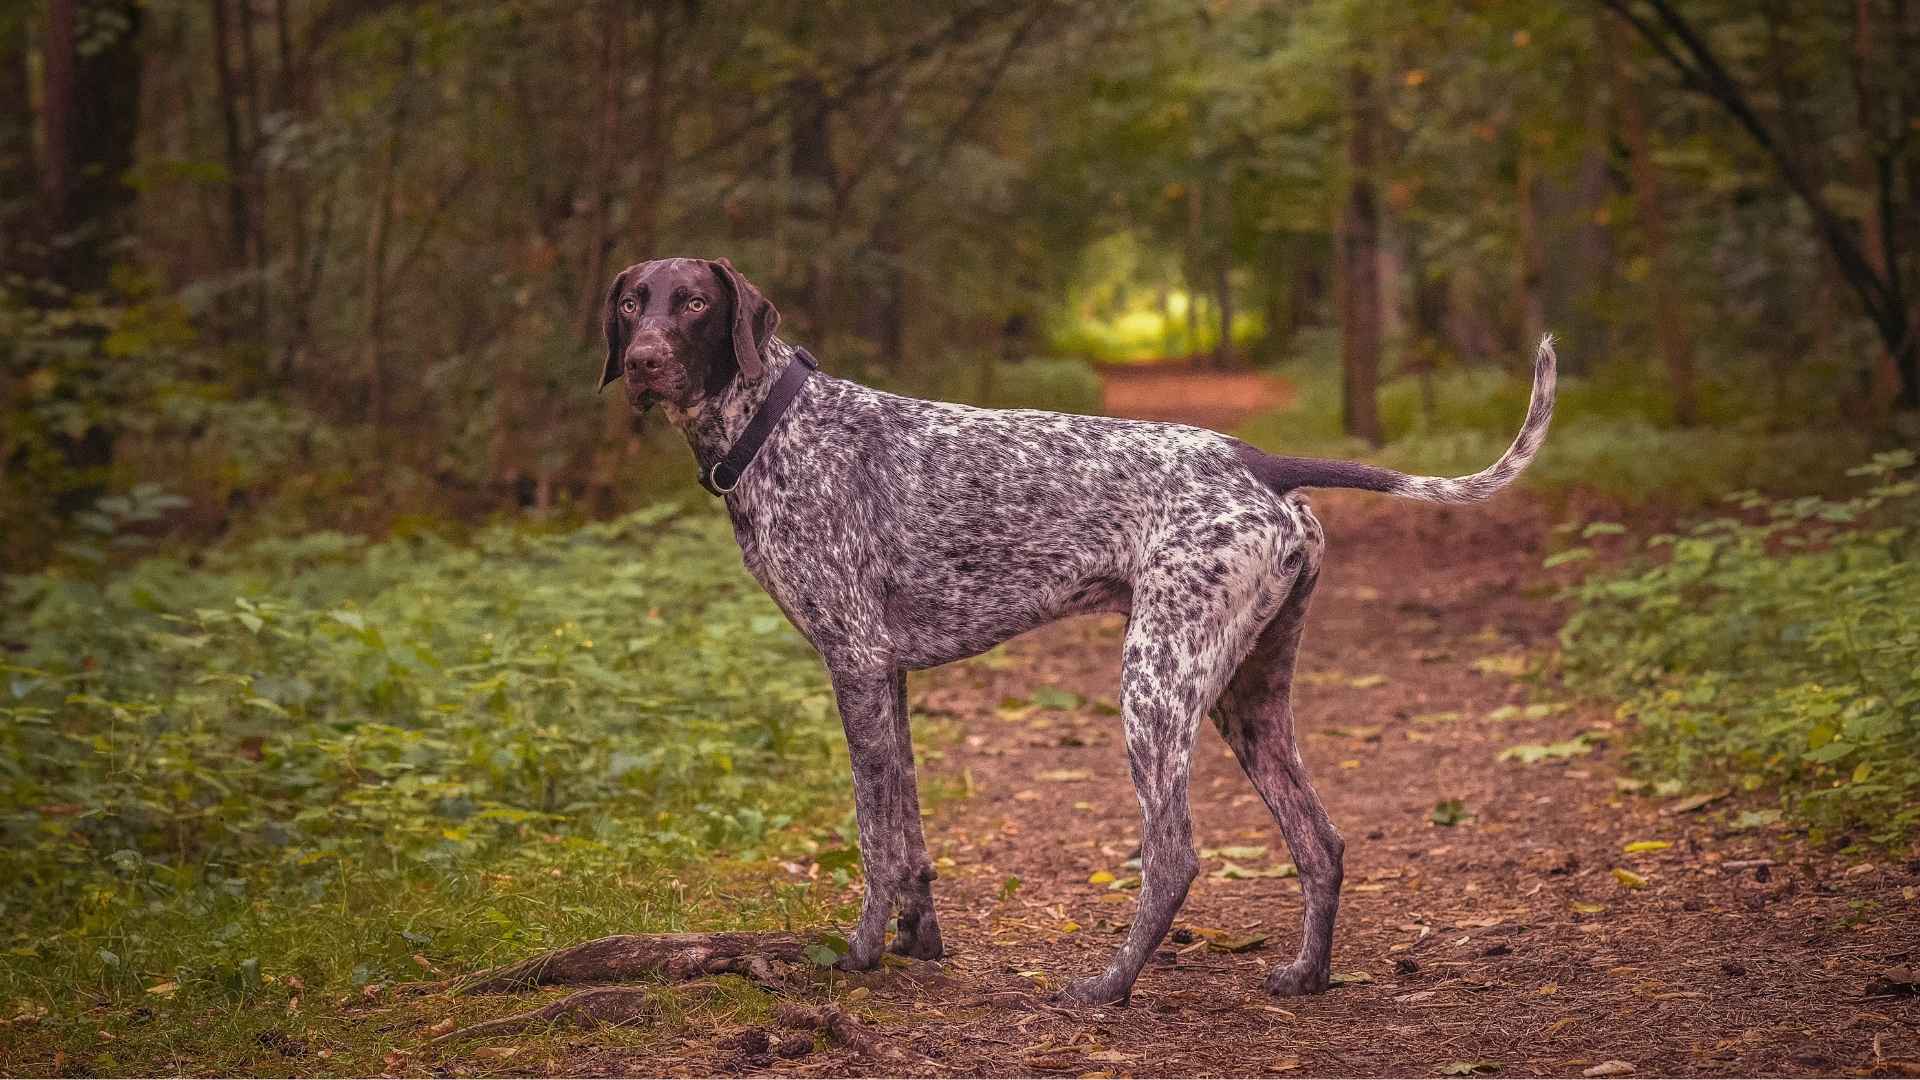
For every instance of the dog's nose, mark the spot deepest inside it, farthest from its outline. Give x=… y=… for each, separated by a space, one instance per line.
x=645 y=361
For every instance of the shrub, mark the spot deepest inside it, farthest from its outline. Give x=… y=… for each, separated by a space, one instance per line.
x=1780 y=650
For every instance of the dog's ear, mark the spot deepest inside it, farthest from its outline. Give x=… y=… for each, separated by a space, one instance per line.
x=610 y=325
x=754 y=319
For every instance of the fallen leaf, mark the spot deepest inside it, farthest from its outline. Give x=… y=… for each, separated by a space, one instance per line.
x=1532 y=753
x=163 y=989
x=1548 y=989
x=1639 y=846
x=1608 y=1068
x=1694 y=802
x=1507 y=664
x=1349 y=978
x=1585 y=907
x=1238 y=944
x=1109 y=1055
x=1628 y=878
x=1449 y=812
x=1367 y=682
x=496 y=1053
x=1064 y=776
x=1029 y=795
x=1242 y=851
x=1100 y=877
x=443 y=1027
x=1468 y=1068
x=1232 y=871
x=1281 y=1065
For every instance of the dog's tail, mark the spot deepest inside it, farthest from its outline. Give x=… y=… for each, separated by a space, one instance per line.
x=1283 y=474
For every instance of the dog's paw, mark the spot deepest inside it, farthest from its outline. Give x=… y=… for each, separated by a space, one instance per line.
x=1100 y=990
x=1296 y=980
x=858 y=959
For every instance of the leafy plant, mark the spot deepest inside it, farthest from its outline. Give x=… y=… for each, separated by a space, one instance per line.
x=1775 y=648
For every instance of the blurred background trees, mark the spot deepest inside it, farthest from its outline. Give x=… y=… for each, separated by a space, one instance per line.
x=328 y=262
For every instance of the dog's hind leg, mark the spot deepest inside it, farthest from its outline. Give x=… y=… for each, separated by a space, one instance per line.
x=886 y=799
x=1255 y=716
x=1183 y=640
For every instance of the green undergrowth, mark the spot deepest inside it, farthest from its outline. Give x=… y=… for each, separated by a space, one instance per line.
x=1611 y=435
x=239 y=786
x=1773 y=649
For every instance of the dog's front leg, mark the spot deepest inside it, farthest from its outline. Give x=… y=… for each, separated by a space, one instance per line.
x=887 y=805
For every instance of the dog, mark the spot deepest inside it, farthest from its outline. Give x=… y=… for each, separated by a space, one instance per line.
x=899 y=534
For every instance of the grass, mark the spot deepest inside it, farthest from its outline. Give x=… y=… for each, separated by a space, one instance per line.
x=241 y=790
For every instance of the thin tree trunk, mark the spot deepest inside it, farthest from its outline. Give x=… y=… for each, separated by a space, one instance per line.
x=256 y=179
x=1223 y=277
x=373 y=330
x=301 y=287
x=239 y=216
x=593 y=278
x=1676 y=347
x=19 y=186
x=1196 y=215
x=56 y=112
x=1360 y=266
x=1530 y=258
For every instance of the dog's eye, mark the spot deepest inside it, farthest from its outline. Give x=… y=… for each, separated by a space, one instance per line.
x=696 y=305
x=629 y=305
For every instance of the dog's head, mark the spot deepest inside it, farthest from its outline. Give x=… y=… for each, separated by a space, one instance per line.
x=679 y=330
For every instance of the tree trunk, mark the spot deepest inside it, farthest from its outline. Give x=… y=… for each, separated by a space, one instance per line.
x=1223 y=278
x=1196 y=215
x=19 y=187
x=1530 y=257
x=1676 y=348
x=810 y=119
x=239 y=213
x=386 y=183
x=90 y=116
x=255 y=178
x=607 y=82
x=1360 y=267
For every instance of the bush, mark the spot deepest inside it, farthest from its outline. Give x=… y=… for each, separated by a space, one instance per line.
x=1777 y=651
x=325 y=754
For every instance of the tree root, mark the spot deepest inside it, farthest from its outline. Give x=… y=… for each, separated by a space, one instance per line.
x=840 y=1027
x=626 y=957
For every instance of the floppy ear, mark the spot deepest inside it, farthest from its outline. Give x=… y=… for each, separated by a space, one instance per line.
x=610 y=325
x=754 y=319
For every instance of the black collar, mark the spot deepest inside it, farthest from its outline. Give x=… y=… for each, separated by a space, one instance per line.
x=723 y=475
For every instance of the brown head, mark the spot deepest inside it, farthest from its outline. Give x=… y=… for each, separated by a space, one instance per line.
x=680 y=330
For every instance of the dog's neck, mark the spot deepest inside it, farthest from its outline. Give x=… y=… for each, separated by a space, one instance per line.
x=712 y=424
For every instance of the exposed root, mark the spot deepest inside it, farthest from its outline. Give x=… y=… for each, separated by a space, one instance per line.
x=611 y=1006
x=840 y=1027
x=628 y=957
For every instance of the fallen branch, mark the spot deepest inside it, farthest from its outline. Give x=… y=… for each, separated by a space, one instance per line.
x=627 y=957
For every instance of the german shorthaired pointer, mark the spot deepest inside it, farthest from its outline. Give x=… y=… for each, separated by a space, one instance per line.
x=899 y=534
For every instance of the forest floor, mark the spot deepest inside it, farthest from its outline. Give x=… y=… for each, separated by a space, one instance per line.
x=1499 y=916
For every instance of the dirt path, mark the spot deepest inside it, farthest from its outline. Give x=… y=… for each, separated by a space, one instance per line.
x=1505 y=939
x=1216 y=399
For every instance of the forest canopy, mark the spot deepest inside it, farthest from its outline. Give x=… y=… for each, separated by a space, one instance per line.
x=316 y=262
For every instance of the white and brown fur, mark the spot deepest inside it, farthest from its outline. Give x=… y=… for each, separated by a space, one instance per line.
x=900 y=534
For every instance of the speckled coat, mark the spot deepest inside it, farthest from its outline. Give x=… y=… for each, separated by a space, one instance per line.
x=900 y=534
